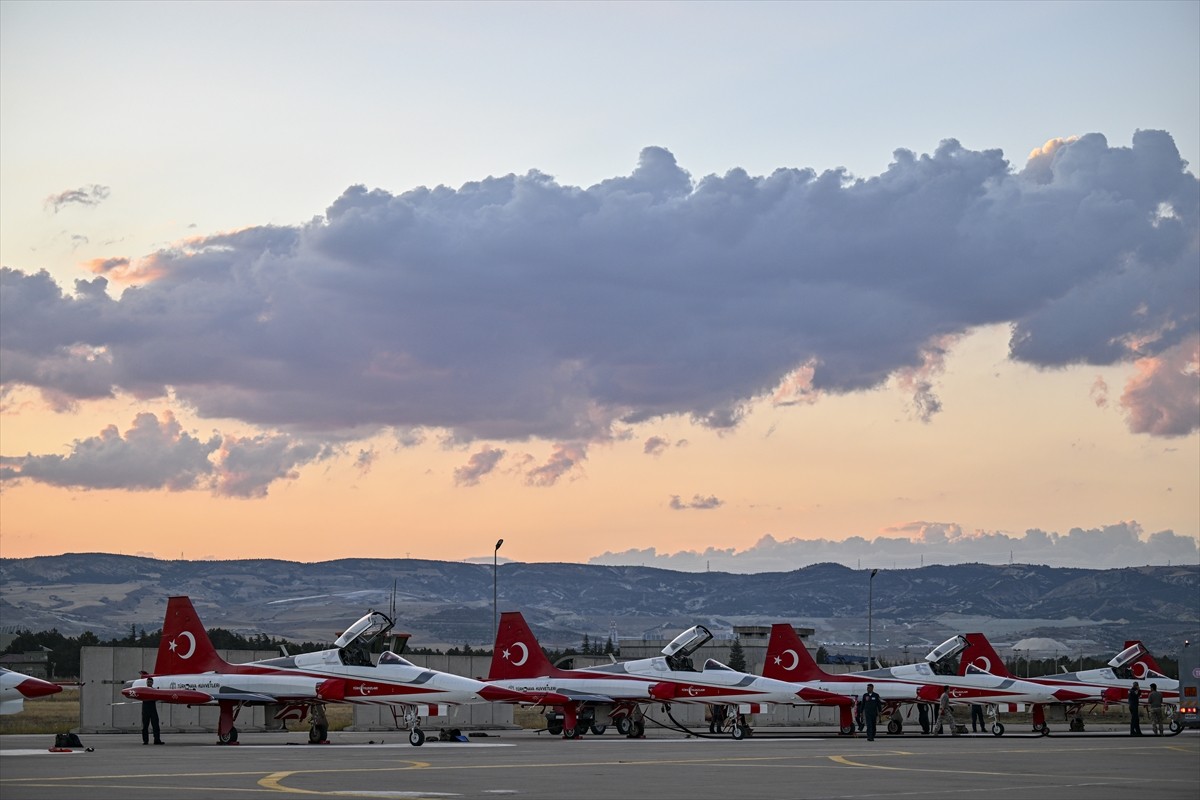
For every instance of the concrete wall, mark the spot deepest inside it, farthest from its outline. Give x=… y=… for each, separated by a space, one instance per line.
x=105 y=671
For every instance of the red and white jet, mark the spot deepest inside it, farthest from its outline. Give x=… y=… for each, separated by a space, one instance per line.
x=788 y=660
x=1094 y=686
x=16 y=688
x=618 y=691
x=189 y=671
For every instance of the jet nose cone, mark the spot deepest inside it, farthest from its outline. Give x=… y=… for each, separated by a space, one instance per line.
x=37 y=688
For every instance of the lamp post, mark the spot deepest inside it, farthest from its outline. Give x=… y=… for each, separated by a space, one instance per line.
x=495 y=555
x=870 y=613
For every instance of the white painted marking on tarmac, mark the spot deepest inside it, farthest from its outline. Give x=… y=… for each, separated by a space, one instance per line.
x=377 y=745
x=40 y=752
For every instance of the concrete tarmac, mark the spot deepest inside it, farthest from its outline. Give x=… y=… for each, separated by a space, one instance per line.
x=665 y=765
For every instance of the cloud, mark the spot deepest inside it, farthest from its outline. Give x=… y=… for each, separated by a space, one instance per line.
x=1164 y=397
x=151 y=454
x=697 y=503
x=91 y=195
x=481 y=464
x=564 y=459
x=924 y=543
x=655 y=445
x=515 y=308
x=157 y=454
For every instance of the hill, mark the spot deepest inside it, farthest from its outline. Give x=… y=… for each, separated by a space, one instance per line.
x=448 y=603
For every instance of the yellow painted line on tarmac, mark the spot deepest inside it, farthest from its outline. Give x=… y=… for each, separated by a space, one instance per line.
x=849 y=763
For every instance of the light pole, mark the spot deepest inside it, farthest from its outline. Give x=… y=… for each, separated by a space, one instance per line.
x=495 y=554
x=870 y=613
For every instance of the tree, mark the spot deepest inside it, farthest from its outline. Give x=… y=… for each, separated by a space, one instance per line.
x=737 y=656
x=822 y=655
x=587 y=648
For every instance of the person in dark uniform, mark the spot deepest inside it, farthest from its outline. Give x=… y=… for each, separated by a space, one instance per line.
x=977 y=716
x=871 y=704
x=1135 y=698
x=150 y=716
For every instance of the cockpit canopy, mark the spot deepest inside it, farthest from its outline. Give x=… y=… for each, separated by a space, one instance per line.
x=366 y=630
x=388 y=657
x=951 y=647
x=1127 y=655
x=687 y=642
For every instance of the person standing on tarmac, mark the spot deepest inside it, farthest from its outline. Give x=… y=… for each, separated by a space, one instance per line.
x=871 y=704
x=1155 y=704
x=150 y=716
x=1135 y=722
x=946 y=713
x=977 y=716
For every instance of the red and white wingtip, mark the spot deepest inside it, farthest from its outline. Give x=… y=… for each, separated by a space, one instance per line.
x=498 y=694
x=1070 y=695
x=36 y=687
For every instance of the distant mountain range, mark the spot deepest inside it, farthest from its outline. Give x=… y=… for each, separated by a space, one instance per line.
x=445 y=604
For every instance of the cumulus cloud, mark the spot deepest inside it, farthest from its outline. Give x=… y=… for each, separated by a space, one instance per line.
x=157 y=453
x=516 y=308
x=151 y=454
x=91 y=195
x=923 y=543
x=1164 y=397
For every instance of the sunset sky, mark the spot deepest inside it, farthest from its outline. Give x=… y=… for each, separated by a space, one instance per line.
x=737 y=286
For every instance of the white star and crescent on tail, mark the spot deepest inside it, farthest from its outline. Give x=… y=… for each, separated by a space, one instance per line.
x=982 y=662
x=509 y=657
x=795 y=660
x=174 y=645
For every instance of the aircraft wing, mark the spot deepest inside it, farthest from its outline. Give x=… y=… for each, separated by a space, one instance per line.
x=193 y=697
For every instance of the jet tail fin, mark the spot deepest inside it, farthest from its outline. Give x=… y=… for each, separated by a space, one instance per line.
x=1144 y=666
x=787 y=657
x=185 y=646
x=517 y=653
x=980 y=654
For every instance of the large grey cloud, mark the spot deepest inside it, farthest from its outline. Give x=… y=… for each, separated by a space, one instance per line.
x=159 y=454
x=515 y=307
x=922 y=543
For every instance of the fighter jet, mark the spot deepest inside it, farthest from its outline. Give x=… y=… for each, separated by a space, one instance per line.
x=621 y=691
x=1093 y=686
x=189 y=671
x=788 y=659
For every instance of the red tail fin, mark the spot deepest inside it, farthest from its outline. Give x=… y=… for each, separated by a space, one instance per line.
x=517 y=653
x=787 y=657
x=185 y=646
x=1144 y=666
x=980 y=653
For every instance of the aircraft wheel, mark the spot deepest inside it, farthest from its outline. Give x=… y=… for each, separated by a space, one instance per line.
x=572 y=733
x=637 y=730
x=894 y=727
x=317 y=734
x=416 y=737
x=1176 y=726
x=998 y=729
x=1045 y=731
x=738 y=733
x=228 y=738
x=624 y=725
x=598 y=730
x=554 y=727
x=1042 y=729
x=846 y=730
